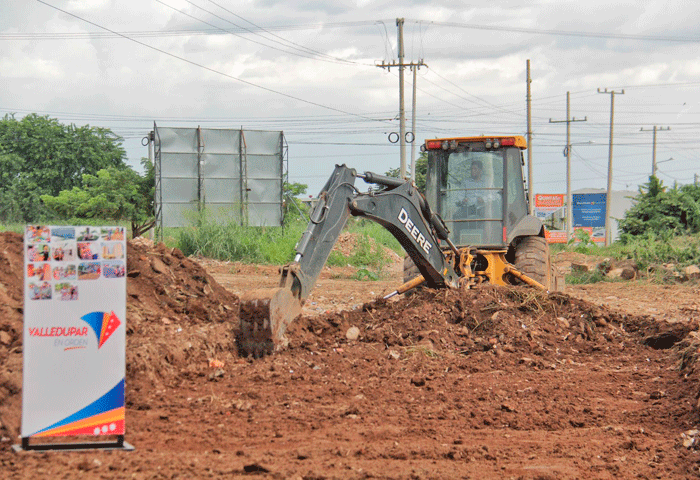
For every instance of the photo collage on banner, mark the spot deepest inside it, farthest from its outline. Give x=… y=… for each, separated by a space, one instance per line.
x=58 y=258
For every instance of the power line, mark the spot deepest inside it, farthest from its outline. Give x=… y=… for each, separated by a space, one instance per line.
x=567 y=33
x=309 y=102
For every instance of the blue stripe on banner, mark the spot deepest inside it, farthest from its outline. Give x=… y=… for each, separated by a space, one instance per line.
x=109 y=401
x=95 y=320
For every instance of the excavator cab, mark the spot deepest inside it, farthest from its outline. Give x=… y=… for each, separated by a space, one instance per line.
x=476 y=185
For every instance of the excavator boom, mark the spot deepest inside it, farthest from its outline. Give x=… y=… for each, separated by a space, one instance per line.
x=398 y=206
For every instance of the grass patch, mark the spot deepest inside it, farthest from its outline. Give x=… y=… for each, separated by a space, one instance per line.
x=233 y=242
x=584 y=278
x=645 y=250
x=276 y=245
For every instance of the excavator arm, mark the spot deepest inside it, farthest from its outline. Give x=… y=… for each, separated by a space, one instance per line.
x=398 y=207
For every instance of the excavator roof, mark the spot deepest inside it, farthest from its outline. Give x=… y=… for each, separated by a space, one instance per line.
x=505 y=140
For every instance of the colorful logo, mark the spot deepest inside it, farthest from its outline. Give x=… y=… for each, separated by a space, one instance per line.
x=103 y=324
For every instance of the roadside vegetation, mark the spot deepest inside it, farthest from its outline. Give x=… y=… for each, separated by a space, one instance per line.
x=660 y=234
x=67 y=175
x=276 y=245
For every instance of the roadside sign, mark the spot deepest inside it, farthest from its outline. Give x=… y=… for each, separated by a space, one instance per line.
x=548 y=204
x=74 y=334
x=588 y=209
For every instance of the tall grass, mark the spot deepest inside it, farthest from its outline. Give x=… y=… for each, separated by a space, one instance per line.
x=654 y=249
x=276 y=245
x=230 y=241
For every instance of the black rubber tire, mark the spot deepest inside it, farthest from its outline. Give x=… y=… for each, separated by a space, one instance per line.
x=532 y=258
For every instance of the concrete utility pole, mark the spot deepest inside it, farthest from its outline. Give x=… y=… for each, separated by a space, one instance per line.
x=402 y=112
x=608 y=197
x=569 y=208
x=413 y=125
x=653 y=155
x=530 y=194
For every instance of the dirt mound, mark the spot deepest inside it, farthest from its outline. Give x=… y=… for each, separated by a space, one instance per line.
x=179 y=317
x=178 y=320
x=486 y=383
x=513 y=320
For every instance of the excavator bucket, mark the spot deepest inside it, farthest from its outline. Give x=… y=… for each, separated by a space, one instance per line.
x=264 y=316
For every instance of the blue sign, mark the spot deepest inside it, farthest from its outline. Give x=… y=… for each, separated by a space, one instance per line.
x=588 y=209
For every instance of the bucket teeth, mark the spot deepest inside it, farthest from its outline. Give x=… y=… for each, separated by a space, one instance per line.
x=264 y=317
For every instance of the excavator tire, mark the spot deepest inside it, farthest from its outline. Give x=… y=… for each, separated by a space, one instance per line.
x=532 y=258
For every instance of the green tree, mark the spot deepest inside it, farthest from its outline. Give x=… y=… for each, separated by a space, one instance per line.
x=421 y=170
x=41 y=156
x=658 y=209
x=112 y=194
x=292 y=205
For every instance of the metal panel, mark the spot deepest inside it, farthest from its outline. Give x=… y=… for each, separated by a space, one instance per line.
x=264 y=166
x=263 y=191
x=180 y=165
x=177 y=190
x=264 y=215
x=263 y=143
x=222 y=190
x=179 y=215
x=178 y=140
x=219 y=165
x=222 y=141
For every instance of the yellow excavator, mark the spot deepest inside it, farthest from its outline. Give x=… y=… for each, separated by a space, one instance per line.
x=471 y=226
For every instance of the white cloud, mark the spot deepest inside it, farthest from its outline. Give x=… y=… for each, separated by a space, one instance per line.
x=475 y=80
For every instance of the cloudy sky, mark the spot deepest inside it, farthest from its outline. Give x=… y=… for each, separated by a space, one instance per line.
x=309 y=68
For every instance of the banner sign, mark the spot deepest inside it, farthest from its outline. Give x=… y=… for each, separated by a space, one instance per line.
x=555 y=236
x=548 y=204
x=74 y=331
x=588 y=209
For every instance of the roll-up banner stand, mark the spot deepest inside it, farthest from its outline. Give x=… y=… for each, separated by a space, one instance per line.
x=74 y=338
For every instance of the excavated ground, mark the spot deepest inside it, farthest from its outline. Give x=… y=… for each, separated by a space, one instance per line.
x=486 y=383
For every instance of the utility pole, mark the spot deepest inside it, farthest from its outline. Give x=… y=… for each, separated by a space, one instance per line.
x=530 y=197
x=413 y=125
x=567 y=150
x=402 y=112
x=608 y=197
x=653 y=155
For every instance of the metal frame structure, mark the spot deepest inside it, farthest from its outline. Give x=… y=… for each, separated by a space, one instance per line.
x=236 y=175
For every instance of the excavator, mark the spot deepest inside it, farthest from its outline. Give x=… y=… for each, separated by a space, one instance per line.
x=472 y=226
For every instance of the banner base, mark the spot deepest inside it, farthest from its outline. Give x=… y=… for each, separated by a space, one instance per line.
x=119 y=444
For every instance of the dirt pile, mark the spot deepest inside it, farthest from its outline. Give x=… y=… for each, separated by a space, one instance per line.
x=486 y=383
x=515 y=324
x=178 y=319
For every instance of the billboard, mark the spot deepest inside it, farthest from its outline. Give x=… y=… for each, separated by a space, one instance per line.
x=235 y=175
x=548 y=204
x=74 y=332
x=588 y=209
